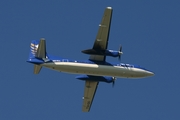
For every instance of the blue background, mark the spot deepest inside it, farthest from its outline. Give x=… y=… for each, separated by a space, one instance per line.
x=148 y=31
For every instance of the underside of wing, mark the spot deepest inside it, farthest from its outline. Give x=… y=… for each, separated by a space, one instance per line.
x=89 y=93
x=102 y=37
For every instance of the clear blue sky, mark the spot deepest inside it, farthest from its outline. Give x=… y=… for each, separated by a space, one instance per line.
x=148 y=31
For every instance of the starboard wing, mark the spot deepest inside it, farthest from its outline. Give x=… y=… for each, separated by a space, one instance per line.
x=101 y=41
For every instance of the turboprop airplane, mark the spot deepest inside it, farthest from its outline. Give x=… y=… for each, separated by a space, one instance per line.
x=94 y=70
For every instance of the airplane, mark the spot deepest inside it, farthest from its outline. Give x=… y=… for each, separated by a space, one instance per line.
x=94 y=70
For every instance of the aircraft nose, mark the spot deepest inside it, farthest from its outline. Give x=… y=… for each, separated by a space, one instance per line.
x=148 y=73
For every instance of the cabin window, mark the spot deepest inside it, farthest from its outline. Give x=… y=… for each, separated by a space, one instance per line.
x=65 y=60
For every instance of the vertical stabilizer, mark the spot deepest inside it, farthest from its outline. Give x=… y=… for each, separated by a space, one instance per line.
x=33 y=49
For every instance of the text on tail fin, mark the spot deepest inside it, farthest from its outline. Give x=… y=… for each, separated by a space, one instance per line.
x=33 y=48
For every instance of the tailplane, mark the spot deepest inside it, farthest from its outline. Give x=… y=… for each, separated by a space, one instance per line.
x=37 y=54
x=37 y=69
x=41 y=51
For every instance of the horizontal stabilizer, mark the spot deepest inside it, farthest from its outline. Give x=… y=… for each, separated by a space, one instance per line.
x=37 y=69
x=41 y=51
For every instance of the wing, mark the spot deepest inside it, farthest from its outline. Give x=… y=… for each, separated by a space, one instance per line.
x=101 y=41
x=89 y=92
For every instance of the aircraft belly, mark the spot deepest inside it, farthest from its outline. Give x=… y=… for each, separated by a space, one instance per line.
x=89 y=69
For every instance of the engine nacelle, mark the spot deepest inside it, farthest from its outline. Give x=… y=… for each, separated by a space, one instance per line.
x=111 y=53
x=96 y=78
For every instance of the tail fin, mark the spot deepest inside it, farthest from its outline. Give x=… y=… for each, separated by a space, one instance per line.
x=33 y=49
x=38 y=54
x=38 y=49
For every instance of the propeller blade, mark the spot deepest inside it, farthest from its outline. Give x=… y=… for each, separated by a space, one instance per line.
x=113 y=82
x=120 y=52
x=120 y=48
x=119 y=57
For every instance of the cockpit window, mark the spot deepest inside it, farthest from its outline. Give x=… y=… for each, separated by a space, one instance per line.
x=126 y=65
x=123 y=65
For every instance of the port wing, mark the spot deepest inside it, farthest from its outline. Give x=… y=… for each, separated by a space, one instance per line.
x=89 y=93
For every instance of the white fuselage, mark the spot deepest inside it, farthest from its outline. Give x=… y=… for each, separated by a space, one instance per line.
x=98 y=70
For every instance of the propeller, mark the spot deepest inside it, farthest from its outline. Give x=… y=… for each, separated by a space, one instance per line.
x=120 y=52
x=113 y=82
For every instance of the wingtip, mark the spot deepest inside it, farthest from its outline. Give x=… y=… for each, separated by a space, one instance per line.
x=42 y=39
x=109 y=7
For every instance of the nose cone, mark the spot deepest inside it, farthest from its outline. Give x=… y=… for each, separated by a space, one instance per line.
x=148 y=73
x=141 y=72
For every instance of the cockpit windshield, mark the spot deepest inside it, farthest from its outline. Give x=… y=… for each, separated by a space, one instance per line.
x=126 y=65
